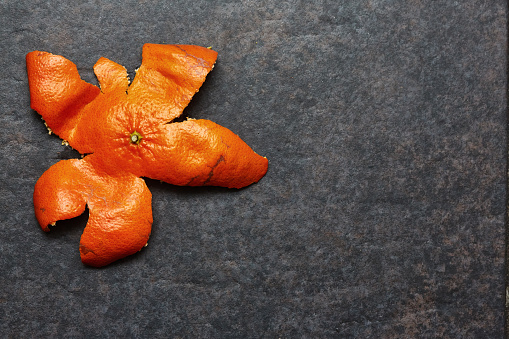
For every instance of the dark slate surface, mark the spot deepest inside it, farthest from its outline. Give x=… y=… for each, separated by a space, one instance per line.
x=382 y=214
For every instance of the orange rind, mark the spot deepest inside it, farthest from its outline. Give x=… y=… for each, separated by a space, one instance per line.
x=126 y=132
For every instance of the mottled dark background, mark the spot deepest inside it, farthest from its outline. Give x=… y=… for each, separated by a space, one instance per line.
x=382 y=214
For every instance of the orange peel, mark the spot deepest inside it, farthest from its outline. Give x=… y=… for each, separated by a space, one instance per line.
x=127 y=132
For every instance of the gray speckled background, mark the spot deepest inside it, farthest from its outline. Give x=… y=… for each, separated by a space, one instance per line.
x=381 y=216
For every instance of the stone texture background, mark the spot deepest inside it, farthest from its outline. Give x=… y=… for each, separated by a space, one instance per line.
x=383 y=211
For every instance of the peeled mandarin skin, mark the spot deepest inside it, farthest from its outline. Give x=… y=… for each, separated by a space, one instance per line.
x=201 y=152
x=126 y=132
x=119 y=224
x=57 y=91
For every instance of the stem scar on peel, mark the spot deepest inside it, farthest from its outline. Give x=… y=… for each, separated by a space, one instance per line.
x=135 y=137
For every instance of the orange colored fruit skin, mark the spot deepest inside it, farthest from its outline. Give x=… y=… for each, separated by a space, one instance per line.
x=102 y=122
x=57 y=91
x=228 y=161
x=119 y=224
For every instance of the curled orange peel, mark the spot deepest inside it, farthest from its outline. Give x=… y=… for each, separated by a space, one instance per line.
x=127 y=132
